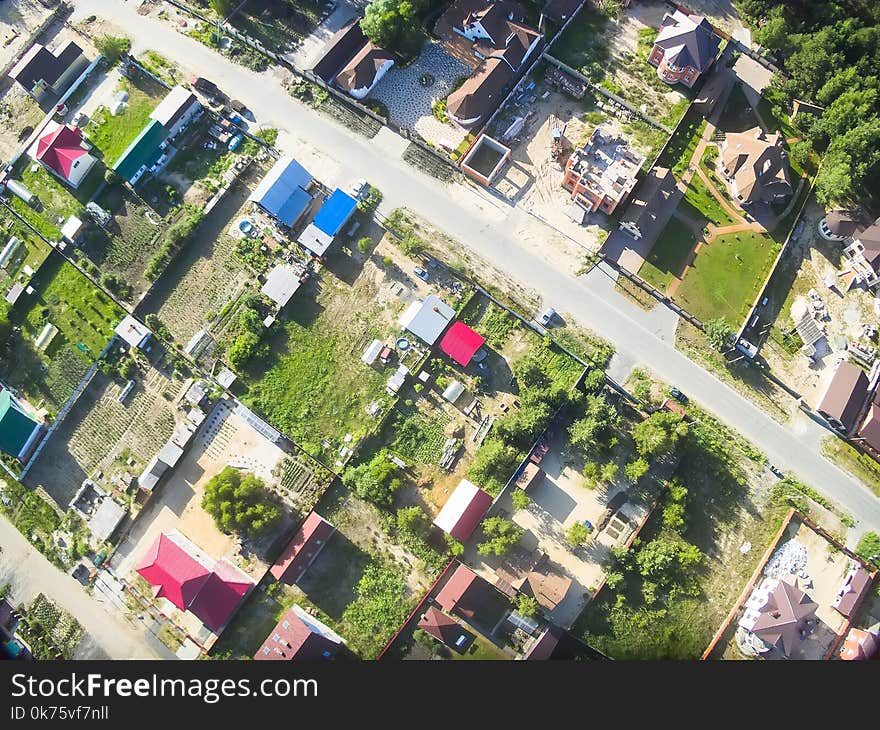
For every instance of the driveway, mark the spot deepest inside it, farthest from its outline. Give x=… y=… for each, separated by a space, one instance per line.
x=505 y=238
x=108 y=635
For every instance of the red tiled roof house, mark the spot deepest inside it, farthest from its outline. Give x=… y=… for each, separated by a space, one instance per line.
x=302 y=549
x=300 y=636
x=211 y=590
x=461 y=343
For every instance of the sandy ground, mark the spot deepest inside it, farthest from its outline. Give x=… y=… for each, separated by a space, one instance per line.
x=225 y=439
x=817 y=258
x=18 y=18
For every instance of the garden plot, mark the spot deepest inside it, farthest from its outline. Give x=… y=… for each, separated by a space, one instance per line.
x=19 y=115
x=17 y=21
x=226 y=437
x=615 y=56
x=85 y=318
x=207 y=275
x=100 y=434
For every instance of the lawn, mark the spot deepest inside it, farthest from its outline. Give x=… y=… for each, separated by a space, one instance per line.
x=856 y=462
x=726 y=276
x=312 y=385
x=59 y=200
x=112 y=135
x=584 y=43
x=680 y=149
x=669 y=254
x=700 y=203
x=481 y=650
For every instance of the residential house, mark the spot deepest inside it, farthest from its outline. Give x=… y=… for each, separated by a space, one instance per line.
x=64 y=152
x=177 y=111
x=602 y=173
x=445 y=629
x=352 y=63
x=490 y=36
x=861 y=256
x=839 y=225
x=462 y=344
x=212 y=590
x=755 y=165
x=650 y=209
x=300 y=636
x=20 y=432
x=147 y=153
x=303 y=548
x=684 y=48
x=282 y=283
x=861 y=644
x=427 y=319
x=46 y=74
x=778 y=617
x=336 y=211
x=283 y=193
x=474 y=600
x=852 y=591
x=133 y=333
x=844 y=398
x=463 y=511
x=12 y=647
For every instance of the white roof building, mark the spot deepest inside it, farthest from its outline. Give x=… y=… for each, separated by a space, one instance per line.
x=281 y=284
x=372 y=352
x=427 y=319
x=132 y=332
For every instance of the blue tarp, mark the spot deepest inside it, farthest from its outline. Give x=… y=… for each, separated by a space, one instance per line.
x=282 y=193
x=335 y=212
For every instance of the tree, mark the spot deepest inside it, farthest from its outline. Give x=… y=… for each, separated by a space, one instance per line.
x=869 y=548
x=635 y=470
x=718 y=333
x=596 y=426
x=658 y=433
x=591 y=474
x=520 y=499
x=671 y=563
x=493 y=465
x=502 y=535
x=393 y=25
x=453 y=545
x=376 y=480
x=239 y=502
x=529 y=372
x=674 y=504
x=222 y=7
x=834 y=182
x=578 y=534
x=609 y=472
x=526 y=605
x=112 y=47
x=413 y=521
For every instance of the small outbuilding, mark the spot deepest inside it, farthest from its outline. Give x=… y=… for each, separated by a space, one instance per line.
x=463 y=511
x=461 y=343
x=427 y=319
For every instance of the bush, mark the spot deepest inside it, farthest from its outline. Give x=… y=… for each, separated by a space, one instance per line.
x=112 y=47
x=269 y=135
x=376 y=480
x=371 y=202
x=493 y=465
x=240 y=503
x=363 y=244
x=526 y=605
x=635 y=470
x=520 y=499
x=578 y=534
x=869 y=548
x=438 y=109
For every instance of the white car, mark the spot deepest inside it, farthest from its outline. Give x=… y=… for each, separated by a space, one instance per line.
x=547 y=316
x=360 y=189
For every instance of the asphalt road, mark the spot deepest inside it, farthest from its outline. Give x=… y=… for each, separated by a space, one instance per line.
x=108 y=635
x=338 y=156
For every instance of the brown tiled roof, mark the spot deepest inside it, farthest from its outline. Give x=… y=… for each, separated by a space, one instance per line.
x=477 y=96
x=870 y=429
x=854 y=591
x=758 y=163
x=784 y=617
x=547 y=585
x=845 y=395
x=688 y=40
x=859 y=644
x=442 y=627
x=360 y=71
x=470 y=597
x=870 y=240
x=344 y=44
x=845 y=222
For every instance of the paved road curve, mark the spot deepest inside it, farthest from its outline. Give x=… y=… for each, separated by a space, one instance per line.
x=338 y=156
x=108 y=634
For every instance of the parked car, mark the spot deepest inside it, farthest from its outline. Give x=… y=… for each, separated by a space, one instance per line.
x=547 y=316
x=210 y=145
x=678 y=395
x=238 y=106
x=360 y=189
x=421 y=273
x=235 y=142
x=205 y=86
x=777 y=471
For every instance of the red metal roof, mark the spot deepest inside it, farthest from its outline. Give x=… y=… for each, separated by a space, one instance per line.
x=211 y=590
x=455 y=588
x=293 y=638
x=302 y=549
x=442 y=627
x=461 y=343
x=60 y=149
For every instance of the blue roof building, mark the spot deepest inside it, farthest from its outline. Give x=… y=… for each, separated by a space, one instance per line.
x=333 y=215
x=282 y=193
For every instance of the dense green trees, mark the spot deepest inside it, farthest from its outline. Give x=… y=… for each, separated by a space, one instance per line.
x=718 y=332
x=501 y=535
x=658 y=433
x=493 y=465
x=240 y=502
x=248 y=333
x=394 y=25
x=112 y=47
x=376 y=481
x=597 y=424
x=831 y=52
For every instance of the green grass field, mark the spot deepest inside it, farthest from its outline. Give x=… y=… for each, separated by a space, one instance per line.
x=727 y=275
x=700 y=203
x=681 y=146
x=112 y=135
x=669 y=254
x=59 y=200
